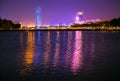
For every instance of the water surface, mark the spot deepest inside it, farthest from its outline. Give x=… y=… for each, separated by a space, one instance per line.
x=59 y=56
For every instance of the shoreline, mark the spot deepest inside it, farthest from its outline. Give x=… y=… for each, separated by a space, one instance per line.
x=60 y=30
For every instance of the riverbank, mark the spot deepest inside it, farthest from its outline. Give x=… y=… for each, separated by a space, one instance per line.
x=67 y=29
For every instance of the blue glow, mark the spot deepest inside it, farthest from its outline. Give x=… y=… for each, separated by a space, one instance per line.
x=38 y=18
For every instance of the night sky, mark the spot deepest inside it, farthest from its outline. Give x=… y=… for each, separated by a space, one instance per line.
x=58 y=11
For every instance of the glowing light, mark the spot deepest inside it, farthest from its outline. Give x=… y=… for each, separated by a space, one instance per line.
x=31 y=25
x=38 y=17
x=68 y=51
x=47 y=50
x=77 y=55
x=77 y=18
x=57 y=51
x=79 y=13
x=29 y=54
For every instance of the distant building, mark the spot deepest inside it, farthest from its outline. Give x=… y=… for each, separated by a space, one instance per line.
x=79 y=18
x=38 y=18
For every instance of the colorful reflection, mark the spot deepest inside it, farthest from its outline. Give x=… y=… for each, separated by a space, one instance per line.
x=29 y=54
x=68 y=51
x=77 y=55
x=57 y=50
x=47 y=50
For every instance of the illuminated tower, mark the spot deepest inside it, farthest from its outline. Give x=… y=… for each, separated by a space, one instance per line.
x=38 y=17
x=80 y=14
x=79 y=17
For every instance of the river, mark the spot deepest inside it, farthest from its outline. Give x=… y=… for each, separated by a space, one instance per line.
x=59 y=56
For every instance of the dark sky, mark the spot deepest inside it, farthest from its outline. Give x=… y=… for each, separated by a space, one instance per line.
x=58 y=11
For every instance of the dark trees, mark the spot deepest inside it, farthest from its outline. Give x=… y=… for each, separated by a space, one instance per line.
x=8 y=24
x=115 y=22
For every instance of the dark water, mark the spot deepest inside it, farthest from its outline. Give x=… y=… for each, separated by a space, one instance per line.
x=59 y=56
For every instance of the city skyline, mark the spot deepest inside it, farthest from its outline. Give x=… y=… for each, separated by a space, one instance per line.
x=56 y=11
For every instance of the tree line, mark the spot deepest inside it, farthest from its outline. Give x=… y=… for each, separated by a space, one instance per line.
x=111 y=23
x=8 y=24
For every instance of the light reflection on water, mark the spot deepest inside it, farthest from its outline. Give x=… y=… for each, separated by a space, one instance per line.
x=28 y=54
x=59 y=56
x=57 y=51
x=47 y=50
x=77 y=55
x=52 y=52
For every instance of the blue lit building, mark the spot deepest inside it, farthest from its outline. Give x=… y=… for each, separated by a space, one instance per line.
x=38 y=18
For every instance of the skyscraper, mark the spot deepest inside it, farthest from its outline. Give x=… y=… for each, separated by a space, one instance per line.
x=38 y=17
x=79 y=17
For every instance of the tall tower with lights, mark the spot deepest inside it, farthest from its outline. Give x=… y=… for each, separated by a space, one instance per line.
x=80 y=14
x=38 y=17
x=79 y=17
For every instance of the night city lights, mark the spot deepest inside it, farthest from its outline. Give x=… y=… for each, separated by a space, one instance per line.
x=56 y=11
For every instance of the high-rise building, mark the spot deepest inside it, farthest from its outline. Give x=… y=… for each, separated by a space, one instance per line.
x=38 y=17
x=79 y=17
x=80 y=14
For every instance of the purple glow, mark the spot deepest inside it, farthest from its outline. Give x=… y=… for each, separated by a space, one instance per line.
x=77 y=55
x=58 y=11
x=77 y=18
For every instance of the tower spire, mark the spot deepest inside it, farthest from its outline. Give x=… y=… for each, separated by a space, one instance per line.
x=38 y=17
